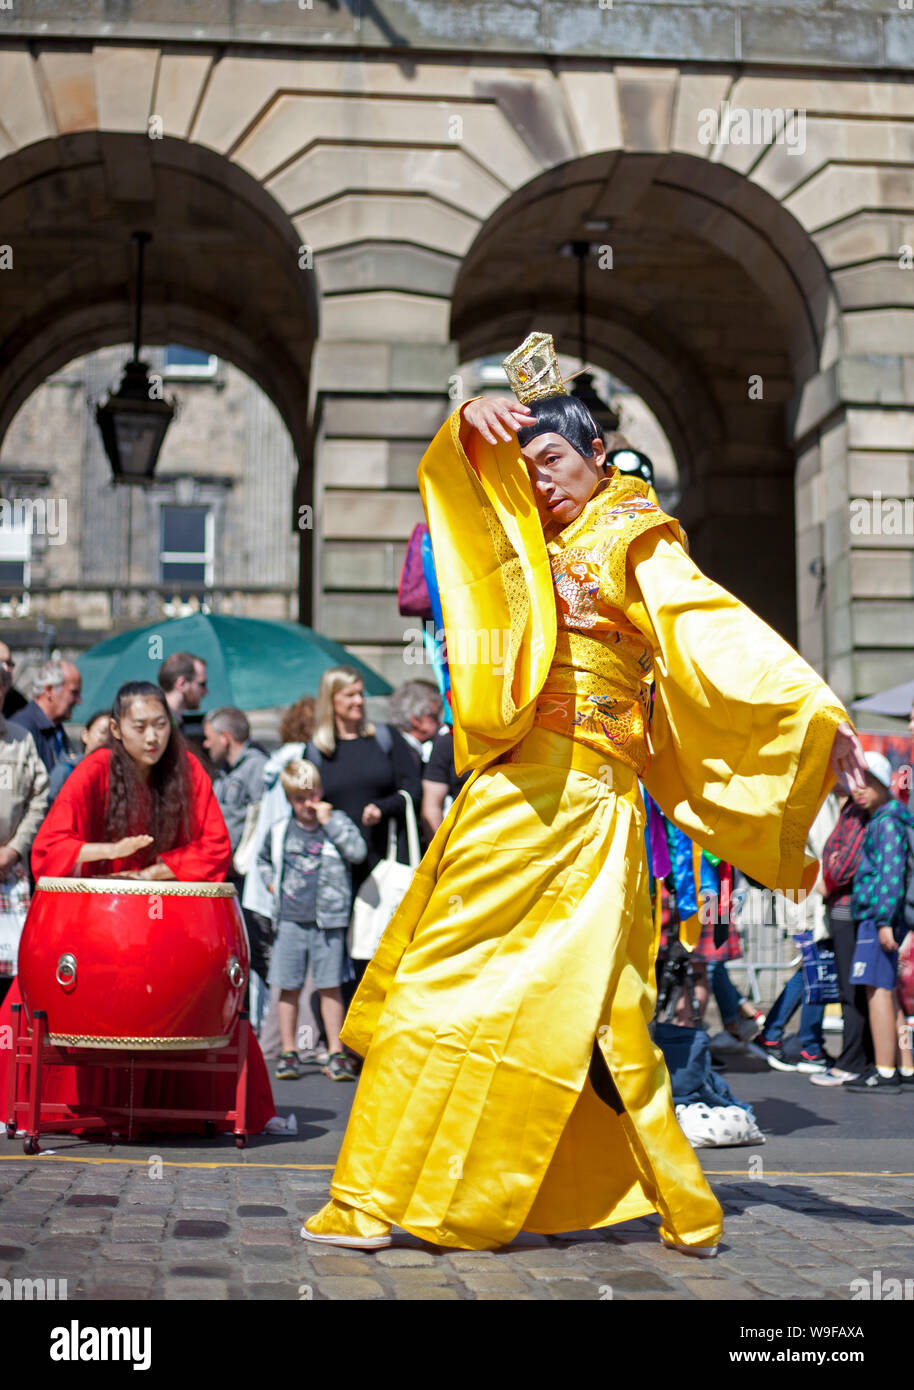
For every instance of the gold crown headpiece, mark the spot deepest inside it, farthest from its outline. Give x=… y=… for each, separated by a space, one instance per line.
x=533 y=370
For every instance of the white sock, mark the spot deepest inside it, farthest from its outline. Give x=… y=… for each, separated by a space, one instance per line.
x=887 y=1072
x=906 y=1071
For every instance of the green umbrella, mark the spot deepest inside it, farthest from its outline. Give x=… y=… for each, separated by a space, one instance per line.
x=252 y=663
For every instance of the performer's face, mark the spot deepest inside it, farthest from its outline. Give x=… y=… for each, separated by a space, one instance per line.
x=144 y=730
x=563 y=480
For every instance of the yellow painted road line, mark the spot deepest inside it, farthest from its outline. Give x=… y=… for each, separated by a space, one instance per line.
x=791 y=1173
x=165 y=1162
x=328 y=1167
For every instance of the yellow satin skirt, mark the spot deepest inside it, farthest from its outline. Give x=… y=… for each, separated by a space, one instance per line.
x=525 y=937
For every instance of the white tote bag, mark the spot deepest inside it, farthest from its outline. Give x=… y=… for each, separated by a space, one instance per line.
x=380 y=895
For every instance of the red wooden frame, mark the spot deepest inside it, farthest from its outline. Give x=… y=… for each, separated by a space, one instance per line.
x=32 y=1051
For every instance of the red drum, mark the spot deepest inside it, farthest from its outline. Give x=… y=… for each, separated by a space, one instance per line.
x=142 y=965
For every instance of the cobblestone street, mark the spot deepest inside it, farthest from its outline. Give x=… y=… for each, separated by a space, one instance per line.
x=112 y=1232
x=206 y=1221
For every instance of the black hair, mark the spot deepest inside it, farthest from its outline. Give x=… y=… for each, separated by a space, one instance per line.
x=99 y=714
x=567 y=416
x=169 y=782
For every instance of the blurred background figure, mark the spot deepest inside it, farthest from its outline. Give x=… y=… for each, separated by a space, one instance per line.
x=440 y=783
x=295 y=730
x=415 y=709
x=363 y=767
x=238 y=787
x=23 y=802
x=56 y=690
x=95 y=733
x=183 y=678
x=14 y=700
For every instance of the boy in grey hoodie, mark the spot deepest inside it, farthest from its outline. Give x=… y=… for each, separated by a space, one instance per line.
x=304 y=864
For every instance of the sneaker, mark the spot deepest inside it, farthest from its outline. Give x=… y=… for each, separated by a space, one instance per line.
x=339 y=1068
x=813 y=1061
x=314 y=1057
x=872 y=1081
x=749 y=1028
x=288 y=1068
x=833 y=1077
x=777 y=1058
x=907 y=1082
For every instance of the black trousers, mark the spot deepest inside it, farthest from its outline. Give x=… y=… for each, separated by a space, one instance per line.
x=858 y=1051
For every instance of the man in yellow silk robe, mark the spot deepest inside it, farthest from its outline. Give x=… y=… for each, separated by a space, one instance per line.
x=510 y=1081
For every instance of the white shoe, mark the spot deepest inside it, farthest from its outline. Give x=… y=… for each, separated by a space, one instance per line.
x=833 y=1077
x=701 y=1252
x=350 y=1242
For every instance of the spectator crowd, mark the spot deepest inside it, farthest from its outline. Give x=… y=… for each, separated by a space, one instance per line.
x=308 y=825
x=315 y=824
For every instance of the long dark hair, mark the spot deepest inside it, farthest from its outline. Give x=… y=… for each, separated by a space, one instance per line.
x=169 y=781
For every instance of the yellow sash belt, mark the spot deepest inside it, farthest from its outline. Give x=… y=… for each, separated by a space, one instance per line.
x=555 y=750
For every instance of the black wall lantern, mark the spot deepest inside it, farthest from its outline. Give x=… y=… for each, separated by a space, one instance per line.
x=133 y=421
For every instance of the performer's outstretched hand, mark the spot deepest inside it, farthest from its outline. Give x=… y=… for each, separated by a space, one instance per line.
x=122 y=849
x=498 y=415
x=847 y=760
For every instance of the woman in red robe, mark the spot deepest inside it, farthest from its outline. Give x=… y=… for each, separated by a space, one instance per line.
x=142 y=809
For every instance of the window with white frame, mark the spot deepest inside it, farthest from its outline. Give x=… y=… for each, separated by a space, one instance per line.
x=15 y=557
x=189 y=362
x=186 y=546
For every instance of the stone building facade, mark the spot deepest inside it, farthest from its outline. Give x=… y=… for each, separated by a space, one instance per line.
x=348 y=201
x=212 y=531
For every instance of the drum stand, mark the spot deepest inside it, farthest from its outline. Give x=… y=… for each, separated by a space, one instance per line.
x=32 y=1052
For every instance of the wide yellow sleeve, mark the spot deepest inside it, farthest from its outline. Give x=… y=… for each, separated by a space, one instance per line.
x=742 y=726
x=495 y=584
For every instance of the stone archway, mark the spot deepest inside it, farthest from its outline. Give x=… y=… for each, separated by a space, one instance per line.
x=222 y=272
x=708 y=298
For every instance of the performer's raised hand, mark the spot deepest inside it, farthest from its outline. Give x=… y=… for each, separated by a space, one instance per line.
x=847 y=760
x=498 y=415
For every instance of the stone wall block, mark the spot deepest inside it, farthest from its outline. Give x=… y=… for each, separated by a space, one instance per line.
x=837 y=192
x=124 y=79
x=360 y=217
x=24 y=114
x=842 y=37
x=241 y=88
x=886 y=282
x=447 y=174
x=878 y=331
x=877 y=574
x=696 y=94
x=180 y=82
x=646 y=101
x=593 y=105
x=386 y=515
x=413 y=317
x=69 y=79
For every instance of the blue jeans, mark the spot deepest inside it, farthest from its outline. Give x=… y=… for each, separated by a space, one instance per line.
x=809 y=1034
x=725 y=992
